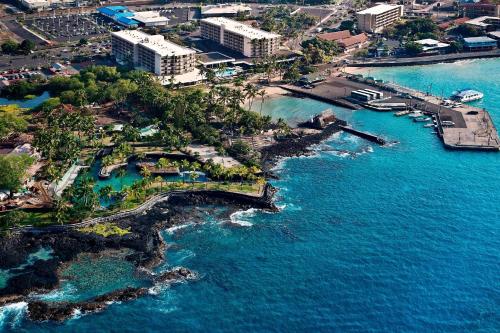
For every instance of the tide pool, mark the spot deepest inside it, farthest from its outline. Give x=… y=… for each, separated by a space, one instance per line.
x=370 y=239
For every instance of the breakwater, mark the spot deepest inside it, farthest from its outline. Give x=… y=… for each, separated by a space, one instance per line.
x=367 y=136
x=426 y=60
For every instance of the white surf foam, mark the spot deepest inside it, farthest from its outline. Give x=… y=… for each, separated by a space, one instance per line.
x=241 y=217
x=175 y=228
x=11 y=315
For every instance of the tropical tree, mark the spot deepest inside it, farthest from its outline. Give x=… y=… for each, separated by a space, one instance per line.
x=13 y=170
x=105 y=192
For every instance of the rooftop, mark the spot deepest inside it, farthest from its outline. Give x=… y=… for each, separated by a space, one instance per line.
x=358 y=39
x=165 y=48
x=133 y=36
x=379 y=9
x=482 y=39
x=224 y=9
x=431 y=43
x=150 y=16
x=334 y=36
x=240 y=28
x=482 y=21
x=495 y=34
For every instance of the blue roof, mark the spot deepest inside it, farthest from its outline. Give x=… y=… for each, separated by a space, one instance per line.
x=479 y=40
x=112 y=10
x=125 y=20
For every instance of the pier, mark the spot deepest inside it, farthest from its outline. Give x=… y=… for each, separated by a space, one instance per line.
x=364 y=135
x=472 y=128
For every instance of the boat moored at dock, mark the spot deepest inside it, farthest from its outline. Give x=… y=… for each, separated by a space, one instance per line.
x=466 y=95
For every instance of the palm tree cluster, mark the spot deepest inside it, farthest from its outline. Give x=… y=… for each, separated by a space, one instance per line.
x=61 y=135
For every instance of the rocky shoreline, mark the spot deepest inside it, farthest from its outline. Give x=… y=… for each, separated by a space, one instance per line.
x=297 y=146
x=144 y=240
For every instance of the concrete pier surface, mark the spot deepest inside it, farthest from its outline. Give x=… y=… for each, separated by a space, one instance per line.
x=473 y=128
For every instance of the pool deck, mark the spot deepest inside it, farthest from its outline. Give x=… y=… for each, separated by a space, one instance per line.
x=473 y=129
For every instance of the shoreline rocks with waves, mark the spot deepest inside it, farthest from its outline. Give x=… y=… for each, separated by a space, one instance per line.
x=144 y=240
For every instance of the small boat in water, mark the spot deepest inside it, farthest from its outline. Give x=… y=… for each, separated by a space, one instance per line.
x=421 y=119
x=466 y=95
x=402 y=113
x=415 y=114
x=429 y=125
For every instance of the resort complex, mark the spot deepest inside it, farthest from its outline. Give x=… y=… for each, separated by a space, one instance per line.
x=249 y=41
x=376 y=18
x=152 y=53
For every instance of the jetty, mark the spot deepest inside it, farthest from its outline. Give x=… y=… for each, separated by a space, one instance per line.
x=365 y=135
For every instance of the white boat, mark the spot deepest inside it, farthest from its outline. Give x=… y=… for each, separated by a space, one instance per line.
x=421 y=119
x=429 y=125
x=466 y=95
x=415 y=114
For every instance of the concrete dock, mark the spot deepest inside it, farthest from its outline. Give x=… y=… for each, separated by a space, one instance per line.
x=473 y=128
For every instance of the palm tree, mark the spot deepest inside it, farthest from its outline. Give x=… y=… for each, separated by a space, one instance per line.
x=120 y=174
x=159 y=179
x=185 y=166
x=262 y=94
x=162 y=163
x=105 y=192
x=60 y=209
x=250 y=93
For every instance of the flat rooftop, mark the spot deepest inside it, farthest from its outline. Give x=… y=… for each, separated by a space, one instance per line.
x=166 y=48
x=150 y=17
x=379 y=9
x=224 y=9
x=240 y=28
x=132 y=36
x=212 y=58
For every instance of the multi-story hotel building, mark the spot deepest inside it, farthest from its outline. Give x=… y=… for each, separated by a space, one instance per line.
x=375 y=19
x=249 y=41
x=152 y=53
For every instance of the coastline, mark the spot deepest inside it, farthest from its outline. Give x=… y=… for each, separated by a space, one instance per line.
x=144 y=240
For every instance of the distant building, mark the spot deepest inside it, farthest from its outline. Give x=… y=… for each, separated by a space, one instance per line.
x=474 y=10
x=479 y=43
x=123 y=16
x=119 y=14
x=453 y=23
x=249 y=41
x=150 y=19
x=334 y=36
x=46 y=4
x=433 y=46
x=375 y=19
x=152 y=53
x=486 y=23
x=353 y=42
x=225 y=10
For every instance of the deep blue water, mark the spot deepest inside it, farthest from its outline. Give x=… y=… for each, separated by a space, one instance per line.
x=370 y=239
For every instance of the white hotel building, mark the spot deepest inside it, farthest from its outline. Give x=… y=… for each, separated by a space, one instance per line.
x=249 y=41
x=375 y=19
x=152 y=53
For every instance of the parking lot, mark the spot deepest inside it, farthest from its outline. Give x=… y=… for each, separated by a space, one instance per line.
x=71 y=27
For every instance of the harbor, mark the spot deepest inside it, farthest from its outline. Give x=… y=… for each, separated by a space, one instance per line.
x=460 y=126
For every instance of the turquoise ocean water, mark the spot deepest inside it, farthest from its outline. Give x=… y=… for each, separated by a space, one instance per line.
x=370 y=239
